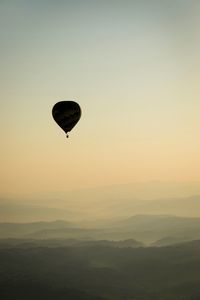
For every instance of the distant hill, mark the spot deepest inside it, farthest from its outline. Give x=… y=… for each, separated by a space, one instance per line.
x=18 y=211
x=19 y=230
x=130 y=243
x=158 y=223
x=55 y=243
x=173 y=240
x=93 y=209
x=148 y=229
x=106 y=202
x=160 y=227
x=72 y=233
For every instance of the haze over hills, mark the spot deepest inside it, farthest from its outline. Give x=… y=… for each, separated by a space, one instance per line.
x=117 y=201
x=134 y=247
x=157 y=229
x=94 y=209
x=60 y=259
x=147 y=212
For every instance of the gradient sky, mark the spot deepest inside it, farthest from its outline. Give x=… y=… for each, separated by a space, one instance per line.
x=133 y=66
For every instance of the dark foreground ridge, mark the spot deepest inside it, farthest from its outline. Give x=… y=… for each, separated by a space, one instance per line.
x=101 y=272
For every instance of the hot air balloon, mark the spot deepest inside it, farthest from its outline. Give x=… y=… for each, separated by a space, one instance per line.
x=66 y=114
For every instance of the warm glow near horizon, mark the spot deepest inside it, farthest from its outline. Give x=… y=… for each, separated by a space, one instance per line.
x=133 y=66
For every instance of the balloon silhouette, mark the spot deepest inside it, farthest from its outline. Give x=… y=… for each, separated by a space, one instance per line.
x=66 y=114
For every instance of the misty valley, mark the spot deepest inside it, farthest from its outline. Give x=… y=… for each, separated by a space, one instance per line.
x=141 y=257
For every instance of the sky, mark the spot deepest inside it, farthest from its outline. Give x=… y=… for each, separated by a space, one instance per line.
x=134 y=68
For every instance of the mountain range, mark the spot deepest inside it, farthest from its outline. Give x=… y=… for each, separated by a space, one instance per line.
x=94 y=209
x=157 y=230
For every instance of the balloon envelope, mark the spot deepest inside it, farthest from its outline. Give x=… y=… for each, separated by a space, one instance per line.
x=66 y=114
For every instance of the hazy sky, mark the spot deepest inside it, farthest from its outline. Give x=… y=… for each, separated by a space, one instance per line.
x=133 y=66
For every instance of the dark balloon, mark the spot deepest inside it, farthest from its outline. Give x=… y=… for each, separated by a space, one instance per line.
x=66 y=114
